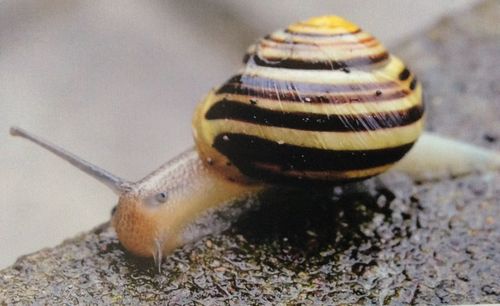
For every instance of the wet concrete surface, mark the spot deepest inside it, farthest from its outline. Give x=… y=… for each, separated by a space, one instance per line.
x=383 y=241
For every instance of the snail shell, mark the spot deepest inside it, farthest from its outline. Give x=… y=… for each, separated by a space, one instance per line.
x=320 y=101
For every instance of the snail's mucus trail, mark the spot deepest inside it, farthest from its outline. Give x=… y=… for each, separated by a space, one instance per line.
x=233 y=110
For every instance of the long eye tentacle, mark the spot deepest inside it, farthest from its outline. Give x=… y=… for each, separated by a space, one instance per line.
x=115 y=183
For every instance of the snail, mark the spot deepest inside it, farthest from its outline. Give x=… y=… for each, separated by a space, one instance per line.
x=319 y=103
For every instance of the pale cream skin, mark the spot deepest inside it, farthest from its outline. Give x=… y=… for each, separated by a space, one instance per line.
x=153 y=213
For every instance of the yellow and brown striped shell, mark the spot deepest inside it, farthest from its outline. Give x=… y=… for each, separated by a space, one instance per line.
x=319 y=101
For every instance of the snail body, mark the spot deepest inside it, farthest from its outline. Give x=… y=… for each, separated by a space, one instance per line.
x=321 y=102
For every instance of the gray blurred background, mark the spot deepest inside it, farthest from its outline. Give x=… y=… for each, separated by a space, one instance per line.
x=116 y=82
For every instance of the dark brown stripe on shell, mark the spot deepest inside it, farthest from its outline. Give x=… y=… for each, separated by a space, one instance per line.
x=413 y=83
x=273 y=42
x=234 y=110
x=290 y=91
x=245 y=150
x=284 y=96
x=321 y=34
x=404 y=75
x=316 y=65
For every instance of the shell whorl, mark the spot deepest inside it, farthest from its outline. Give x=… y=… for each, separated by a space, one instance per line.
x=319 y=101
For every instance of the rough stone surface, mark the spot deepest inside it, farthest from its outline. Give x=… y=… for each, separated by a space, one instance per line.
x=386 y=240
